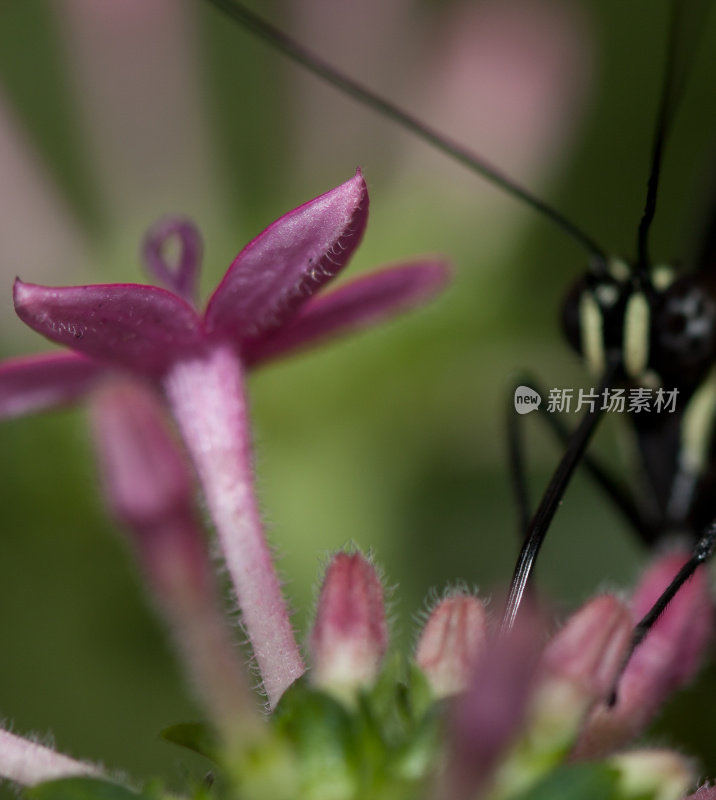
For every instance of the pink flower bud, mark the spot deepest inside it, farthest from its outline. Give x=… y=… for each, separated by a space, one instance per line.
x=584 y=657
x=667 y=658
x=451 y=642
x=350 y=634
x=488 y=718
x=576 y=669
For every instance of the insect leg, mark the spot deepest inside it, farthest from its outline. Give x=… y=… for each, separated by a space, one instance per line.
x=702 y=552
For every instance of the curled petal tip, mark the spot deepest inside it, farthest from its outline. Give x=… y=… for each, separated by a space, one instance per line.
x=180 y=277
x=19 y=291
x=359 y=180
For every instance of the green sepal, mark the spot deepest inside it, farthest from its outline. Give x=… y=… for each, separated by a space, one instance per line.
x=322 y=732
x=196 y=736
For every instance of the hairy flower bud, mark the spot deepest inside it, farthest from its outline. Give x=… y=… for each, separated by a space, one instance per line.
x=576 y=670
x=580 y=663
x=487 y=720
x=453 y=638
x=350 y=634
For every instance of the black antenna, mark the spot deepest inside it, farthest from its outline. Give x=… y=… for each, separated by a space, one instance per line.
x=301 y=55
x=684 y=31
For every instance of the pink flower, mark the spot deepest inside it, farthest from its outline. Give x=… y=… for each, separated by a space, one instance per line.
x=264 y=307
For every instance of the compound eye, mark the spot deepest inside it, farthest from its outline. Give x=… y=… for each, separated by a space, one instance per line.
x=686 y=324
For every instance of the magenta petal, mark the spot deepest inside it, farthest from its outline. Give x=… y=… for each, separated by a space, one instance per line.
x=139 y=327
x=40 y=382
x=283 y=266
x=359 y=304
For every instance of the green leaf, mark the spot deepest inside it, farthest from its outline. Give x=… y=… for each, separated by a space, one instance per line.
x=81 y=789
x=196 y=736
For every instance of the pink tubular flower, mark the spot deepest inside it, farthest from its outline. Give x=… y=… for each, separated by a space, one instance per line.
x=262 y=308
x=150 y=487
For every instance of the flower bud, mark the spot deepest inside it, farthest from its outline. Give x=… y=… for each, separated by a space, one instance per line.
x=488 y=718
x=451 y=642
x=581 y=662
x=576 y=670
x=666 y=659
x=350 y=634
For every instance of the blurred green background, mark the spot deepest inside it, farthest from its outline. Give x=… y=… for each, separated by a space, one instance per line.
x=395 y=439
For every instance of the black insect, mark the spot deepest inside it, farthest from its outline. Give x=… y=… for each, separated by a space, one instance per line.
x=635 y=324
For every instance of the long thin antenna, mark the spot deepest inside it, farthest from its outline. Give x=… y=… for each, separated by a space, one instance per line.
x=687 y=21
x=301 y=55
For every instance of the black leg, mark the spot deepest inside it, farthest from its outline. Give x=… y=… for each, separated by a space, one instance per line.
x=703 y=550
